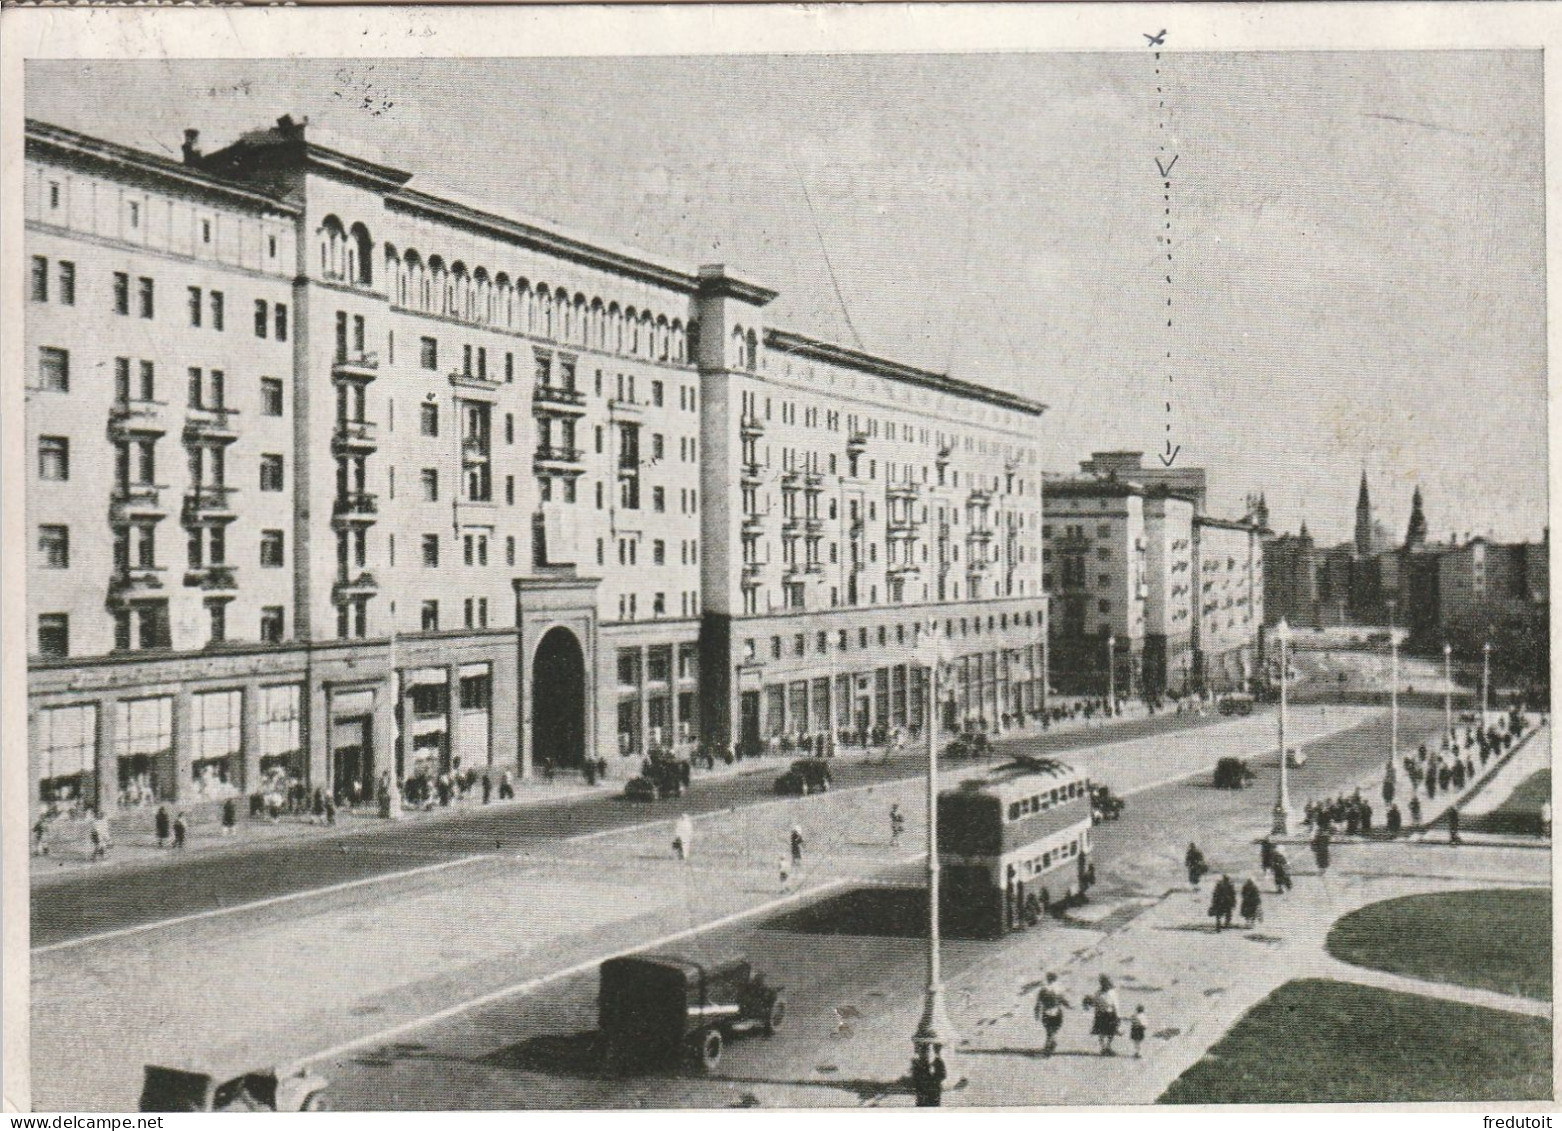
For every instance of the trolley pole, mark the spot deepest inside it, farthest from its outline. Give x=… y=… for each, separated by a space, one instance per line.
x=1448 y=691
x=390 y=796
x=1393 y=644
x=935 y=1028
x=1485 y=682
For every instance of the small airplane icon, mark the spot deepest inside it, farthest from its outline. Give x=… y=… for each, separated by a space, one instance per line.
x=1155 y=40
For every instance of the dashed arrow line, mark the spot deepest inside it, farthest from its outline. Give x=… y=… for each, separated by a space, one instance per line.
x=1166 y=169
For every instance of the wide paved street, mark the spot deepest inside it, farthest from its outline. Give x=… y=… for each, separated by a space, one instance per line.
x=479 y=946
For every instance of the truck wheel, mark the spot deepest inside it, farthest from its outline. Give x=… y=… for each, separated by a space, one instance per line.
x=708 y=1048
x=775 y=1017
x=315 y=1101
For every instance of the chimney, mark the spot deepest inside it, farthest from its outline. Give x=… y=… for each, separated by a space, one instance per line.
x=192 y=147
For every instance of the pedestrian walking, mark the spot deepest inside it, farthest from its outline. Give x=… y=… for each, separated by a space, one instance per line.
x=317 y=806
x=100 y=838
x=40 y=832
x=488 y=788
x=1106 y=1022
x=897 y=825
x=1415 y=814
x=1282 y=872
x=1252 y=904
x=797 y=848
x=180 y=829
x=683 y=837
x=330 y=810
x=1050 y=1004
x=1395 y=821
x=1139 y=1026
x=506 y=787
x=1453 y=824
x=1266 y=855
x=1545 y=819
x=1194 y=859
x=784 y=867
x=160 y=824
x=230 y=816
x=1223 y=902
x=928 y=1073
x=1320 y=847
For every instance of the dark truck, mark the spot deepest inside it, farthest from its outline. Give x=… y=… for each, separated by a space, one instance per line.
x=661 y=775
x=663 y=1011
x=272 y=1089
x=807 y=775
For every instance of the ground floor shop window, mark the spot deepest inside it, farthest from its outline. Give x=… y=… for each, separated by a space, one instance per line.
x=797 y=696
x=217 y=753
x=658 y=721
x=66 y=741
x=281 y=748
x=629 y=727
x=687 y=719
x=144 y=749
x=775 y=711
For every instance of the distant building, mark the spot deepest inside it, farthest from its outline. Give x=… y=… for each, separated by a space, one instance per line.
x=1292 y=565
x=1228 y=567
x=1192 y=482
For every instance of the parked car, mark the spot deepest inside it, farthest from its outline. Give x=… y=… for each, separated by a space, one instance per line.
x=275 y=1089
x=1237 y=704
x=1232 y=773
x=807 y=775
x=1106 y=803
x=665 y=1011
x=661 y=775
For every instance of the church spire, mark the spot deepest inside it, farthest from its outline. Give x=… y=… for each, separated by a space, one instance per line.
x=1415 y=537
x=1364 y=518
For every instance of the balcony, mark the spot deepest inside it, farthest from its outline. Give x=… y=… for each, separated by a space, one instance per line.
x=979 y=566
x=620 y=409
x=350 y=588
x=354 y=437
x=751 y=474
x=792 y=527
x=904 y=569
x=465 y=380
x=208 y=504
x=791 y=479
x=211 y=425
x=134 y=583
x=814 y=569
x=857 y=442
x=212 y=579
x=902 y=527
x=979 y=534
x=131 y=501
x=550 y=457
x=981 y=497
x=755 y=523
x=753 y=574
x=137 y=418
x=751 y=426
x=813 y=526
x=906 y=491
x=474 y=450
x=355 y=508
x=356 y=368
x=558 y=400
x=813 y=482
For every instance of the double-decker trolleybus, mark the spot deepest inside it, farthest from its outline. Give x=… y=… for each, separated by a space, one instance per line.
x=1011 y=844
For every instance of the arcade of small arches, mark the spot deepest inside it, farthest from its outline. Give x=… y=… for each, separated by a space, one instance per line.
x=453 y=290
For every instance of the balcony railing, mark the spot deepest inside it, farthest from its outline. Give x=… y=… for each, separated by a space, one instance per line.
x=132 y=582
x=751 y=425
x=857 y=441
x=212 y=424
x=209 y=504
x=752 y=473
x=979 y=533
x=904 y=569
x=475 y=449
x=813 y=525
x=355 y=507
x=355 y=436
x=136 y=500
x=906 y=491
x=360 y=366
x=138 y=418
x=815 y=568
x=212 y=578
x=348 y=586
x=557 y=398
x=552 y=453
x=619 y=407
x=813 y=481
x=981 y=496
x=755 y=523
x=753 y=573
x=792 y=526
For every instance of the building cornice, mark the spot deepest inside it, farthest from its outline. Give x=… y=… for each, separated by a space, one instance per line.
x=789 y=342
x=135 y=165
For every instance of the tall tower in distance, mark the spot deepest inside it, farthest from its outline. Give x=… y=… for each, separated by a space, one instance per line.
x=1415 y=537
x=1363 y=518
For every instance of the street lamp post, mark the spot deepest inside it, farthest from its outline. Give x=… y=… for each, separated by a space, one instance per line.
x=1448 y=690
x=390 y=796
x=934 y=1029
x=1393 y=644
x=1485 y=681
x=1111 y=675
x=1282 y=815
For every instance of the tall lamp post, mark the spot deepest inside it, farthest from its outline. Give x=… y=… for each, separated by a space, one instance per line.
x=1448 y=690
x=1111 y=675
x=935 y=1028
x=1485 y=681
x=1282 y=816
x=390 y=796
x=1393 y=645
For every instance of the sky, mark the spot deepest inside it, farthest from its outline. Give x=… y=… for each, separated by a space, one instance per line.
x=1357 y=239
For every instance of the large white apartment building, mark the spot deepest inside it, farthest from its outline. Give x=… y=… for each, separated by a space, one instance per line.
x=331 y=475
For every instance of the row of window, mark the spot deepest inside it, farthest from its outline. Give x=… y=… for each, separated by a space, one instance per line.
x=271 y=319
x=995 y=623
x=65 y=289
x=144 y=627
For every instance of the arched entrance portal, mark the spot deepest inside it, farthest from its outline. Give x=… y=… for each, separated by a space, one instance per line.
x=558 y=701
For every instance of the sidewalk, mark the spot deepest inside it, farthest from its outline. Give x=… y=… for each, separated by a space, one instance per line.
x=135 y=841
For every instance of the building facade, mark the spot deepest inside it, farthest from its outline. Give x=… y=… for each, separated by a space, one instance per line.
x=395 y=484
x=1228 y=562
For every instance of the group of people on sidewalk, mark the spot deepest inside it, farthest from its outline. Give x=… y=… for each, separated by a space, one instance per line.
x=1106 y=1023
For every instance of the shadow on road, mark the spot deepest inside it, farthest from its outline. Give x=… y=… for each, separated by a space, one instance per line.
x=886 y=912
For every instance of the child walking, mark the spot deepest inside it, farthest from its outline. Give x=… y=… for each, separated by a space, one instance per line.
x=1136 y=1029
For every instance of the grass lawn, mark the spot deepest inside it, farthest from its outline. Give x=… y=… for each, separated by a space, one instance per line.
x=1520 y=813
x=1320 y=1041
x=1489 y=940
